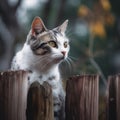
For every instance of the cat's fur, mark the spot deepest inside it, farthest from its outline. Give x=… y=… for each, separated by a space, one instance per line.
x=41 y=55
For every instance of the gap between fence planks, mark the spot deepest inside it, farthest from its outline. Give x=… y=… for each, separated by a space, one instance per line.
x=113 y=98
x=82 y=98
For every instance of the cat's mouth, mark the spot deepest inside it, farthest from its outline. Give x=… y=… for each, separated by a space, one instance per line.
x=59 y=59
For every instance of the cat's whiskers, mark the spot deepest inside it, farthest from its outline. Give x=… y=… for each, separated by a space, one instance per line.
x=70 y=63
x=50 y=61
x=73 y=58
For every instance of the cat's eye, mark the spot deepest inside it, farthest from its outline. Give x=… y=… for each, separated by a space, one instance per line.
x=52 y=43
x=65 y=44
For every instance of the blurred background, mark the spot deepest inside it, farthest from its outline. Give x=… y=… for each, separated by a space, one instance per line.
x=94 y=31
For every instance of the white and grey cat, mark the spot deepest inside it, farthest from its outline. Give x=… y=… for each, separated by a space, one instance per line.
x=41 y=55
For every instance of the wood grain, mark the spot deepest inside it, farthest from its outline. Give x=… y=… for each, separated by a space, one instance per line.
x=82 y=98
x=40 y=102
x=13 y=95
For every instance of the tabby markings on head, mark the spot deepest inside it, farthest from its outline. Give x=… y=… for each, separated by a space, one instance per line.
x=43 y=40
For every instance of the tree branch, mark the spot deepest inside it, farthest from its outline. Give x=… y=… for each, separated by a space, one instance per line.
x=9 y=30
x=15 y=7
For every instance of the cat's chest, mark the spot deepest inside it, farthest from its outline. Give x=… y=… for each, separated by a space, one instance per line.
x=52 y=78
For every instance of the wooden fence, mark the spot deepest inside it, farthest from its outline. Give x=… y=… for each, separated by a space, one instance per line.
x=18 y=101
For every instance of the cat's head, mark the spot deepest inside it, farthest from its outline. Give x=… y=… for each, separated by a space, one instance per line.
x=45 y=43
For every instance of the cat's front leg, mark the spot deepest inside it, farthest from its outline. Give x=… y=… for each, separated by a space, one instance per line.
x=59 y=107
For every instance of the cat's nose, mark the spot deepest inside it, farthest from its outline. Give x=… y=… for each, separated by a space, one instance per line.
x=63 y=52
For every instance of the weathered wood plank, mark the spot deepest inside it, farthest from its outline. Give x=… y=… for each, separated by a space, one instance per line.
x=40 y=102
x=13 y=95
x=82 y=98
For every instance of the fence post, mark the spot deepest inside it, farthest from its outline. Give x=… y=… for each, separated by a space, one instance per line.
x=113 y=98
x=82 y=98
x=40 y=102
x=13 y=95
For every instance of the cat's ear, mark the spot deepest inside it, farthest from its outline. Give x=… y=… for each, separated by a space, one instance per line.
x=62 y=28
x=37 y=26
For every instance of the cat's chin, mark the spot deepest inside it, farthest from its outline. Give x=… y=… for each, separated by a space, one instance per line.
x=59 y=59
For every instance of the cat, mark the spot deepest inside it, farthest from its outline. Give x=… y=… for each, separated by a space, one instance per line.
x=41 y=55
